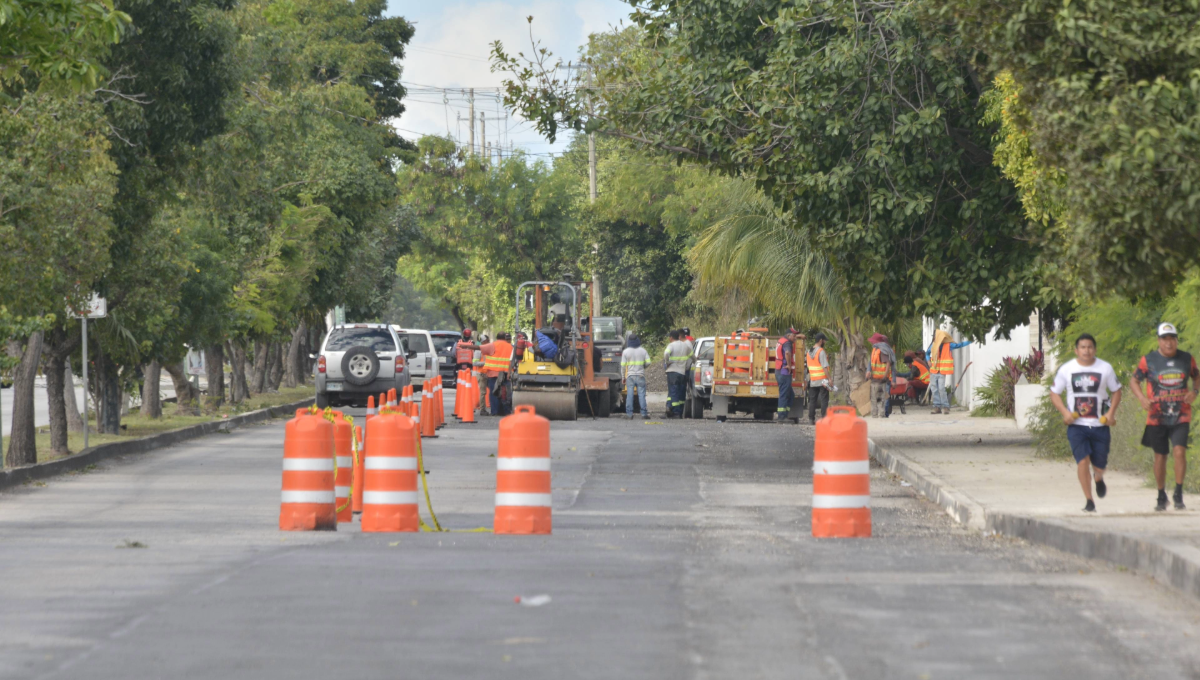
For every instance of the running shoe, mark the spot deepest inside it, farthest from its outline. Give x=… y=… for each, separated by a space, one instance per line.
x=1179 y=501
x=1162 y=501
x=1101 y=488
x=1090 y=507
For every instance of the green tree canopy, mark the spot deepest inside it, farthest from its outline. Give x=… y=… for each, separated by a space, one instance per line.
x=860 y=121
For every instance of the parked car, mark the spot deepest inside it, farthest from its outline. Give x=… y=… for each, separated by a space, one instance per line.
x=424 y=366
x=700 y=379
x=357 y=361
x=444 y=342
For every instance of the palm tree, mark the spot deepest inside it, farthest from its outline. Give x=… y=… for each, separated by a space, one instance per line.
x=760 y=252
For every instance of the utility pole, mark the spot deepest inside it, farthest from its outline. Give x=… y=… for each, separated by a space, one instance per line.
x=471 y=99
x=482 y=135
x=597 y=294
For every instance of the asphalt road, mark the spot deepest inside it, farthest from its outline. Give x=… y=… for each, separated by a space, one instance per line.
x=680 y=549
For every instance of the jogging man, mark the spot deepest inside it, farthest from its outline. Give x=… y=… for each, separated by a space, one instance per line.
x=1160 y=383
x=1088 y=382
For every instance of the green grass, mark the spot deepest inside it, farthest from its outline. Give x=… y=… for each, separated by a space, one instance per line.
x=137 y=426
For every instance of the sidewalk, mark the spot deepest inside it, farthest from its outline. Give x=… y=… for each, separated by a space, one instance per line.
x=983 y=472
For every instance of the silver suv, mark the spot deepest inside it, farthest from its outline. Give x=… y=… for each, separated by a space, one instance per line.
x=360 y=360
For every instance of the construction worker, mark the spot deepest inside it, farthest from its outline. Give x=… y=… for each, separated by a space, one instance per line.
x=817 y=360
x=687 y=335
x=918 y=375
x=883 y=367
x=477 y=371
x=464 y=351
x=521 y=343
x=941 y=369
x=634 y=360
x=675 y=361
x=785 y=366
x=497 y=361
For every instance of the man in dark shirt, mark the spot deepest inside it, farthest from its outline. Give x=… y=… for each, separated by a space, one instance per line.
x=1161 y=385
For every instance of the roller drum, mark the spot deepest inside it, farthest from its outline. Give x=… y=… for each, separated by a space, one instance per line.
x=550 y=405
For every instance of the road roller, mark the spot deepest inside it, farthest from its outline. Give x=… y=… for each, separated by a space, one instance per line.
x=557 y=375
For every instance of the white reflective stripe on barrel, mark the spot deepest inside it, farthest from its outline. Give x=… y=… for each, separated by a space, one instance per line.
x=537 y=500
x=842 y=467
x=390 y=463
x=308 y=464
x=830 y=502
x=307 y=497
x=345 y=461
x=523 y=464
x=389 y=498
x=341 y=491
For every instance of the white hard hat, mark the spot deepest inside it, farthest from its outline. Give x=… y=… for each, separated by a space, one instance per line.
x=1166 y=329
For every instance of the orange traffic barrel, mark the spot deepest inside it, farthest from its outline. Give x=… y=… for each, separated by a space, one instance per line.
x=307 y=499
x=523 y=474
x=841 y=500
x=345 y=451
x=390 y=476
x=460 y=395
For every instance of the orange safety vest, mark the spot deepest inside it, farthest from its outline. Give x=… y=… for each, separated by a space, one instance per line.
x=816 y=371
x=922 y=371
x=463 y=352
x=943 y=363
x=880 y=370
x=501 y=360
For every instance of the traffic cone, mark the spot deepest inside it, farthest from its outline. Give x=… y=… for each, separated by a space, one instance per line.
x=390 y=472
x=307 y=499
x=428 y=417
x=470 y=400
x=523 y=474
x=439 y=403
x=460 y=392
x=392 y=398
x=841 y=500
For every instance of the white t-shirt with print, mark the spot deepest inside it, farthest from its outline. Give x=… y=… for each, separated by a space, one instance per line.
x=1087 y=388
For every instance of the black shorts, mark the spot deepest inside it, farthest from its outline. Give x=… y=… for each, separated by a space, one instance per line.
x=1162 y=438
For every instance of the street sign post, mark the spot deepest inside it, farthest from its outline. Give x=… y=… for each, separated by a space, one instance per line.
x=97 y=308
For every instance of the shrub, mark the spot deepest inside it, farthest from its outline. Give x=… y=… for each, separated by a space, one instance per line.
x=997 y=396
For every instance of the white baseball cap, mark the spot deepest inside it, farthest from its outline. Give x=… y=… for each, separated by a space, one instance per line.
x=1166 y=329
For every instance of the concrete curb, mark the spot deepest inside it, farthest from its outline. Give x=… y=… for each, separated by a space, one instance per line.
x=95 y=454
x=1168 y=562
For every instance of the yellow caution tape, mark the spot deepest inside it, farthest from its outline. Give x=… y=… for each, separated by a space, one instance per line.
x=437 y=527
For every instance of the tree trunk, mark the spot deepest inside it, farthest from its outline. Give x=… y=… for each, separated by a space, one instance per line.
x=214 y=365
x=186 y=395
x=237 y=382
x=22 y=446
x=64 y=416
x=108 y=388
x=74 y=420
x=275 y=367
x=151 y=392
x=294 y=376
x=258 y=380
x=56 y=367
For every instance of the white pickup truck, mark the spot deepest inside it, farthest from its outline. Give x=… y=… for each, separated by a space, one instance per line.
x=424 y=363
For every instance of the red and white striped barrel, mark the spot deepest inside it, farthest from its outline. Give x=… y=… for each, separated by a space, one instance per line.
x=390 y=476
x=841 y=500
x=523 y=496
x=307 y=497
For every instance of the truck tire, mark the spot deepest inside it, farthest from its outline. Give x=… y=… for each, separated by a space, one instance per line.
x=687 y=407
x=604 y=405
x=360 y=365
x=697 y=405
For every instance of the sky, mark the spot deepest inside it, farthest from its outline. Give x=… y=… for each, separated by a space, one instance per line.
x=450 y=50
